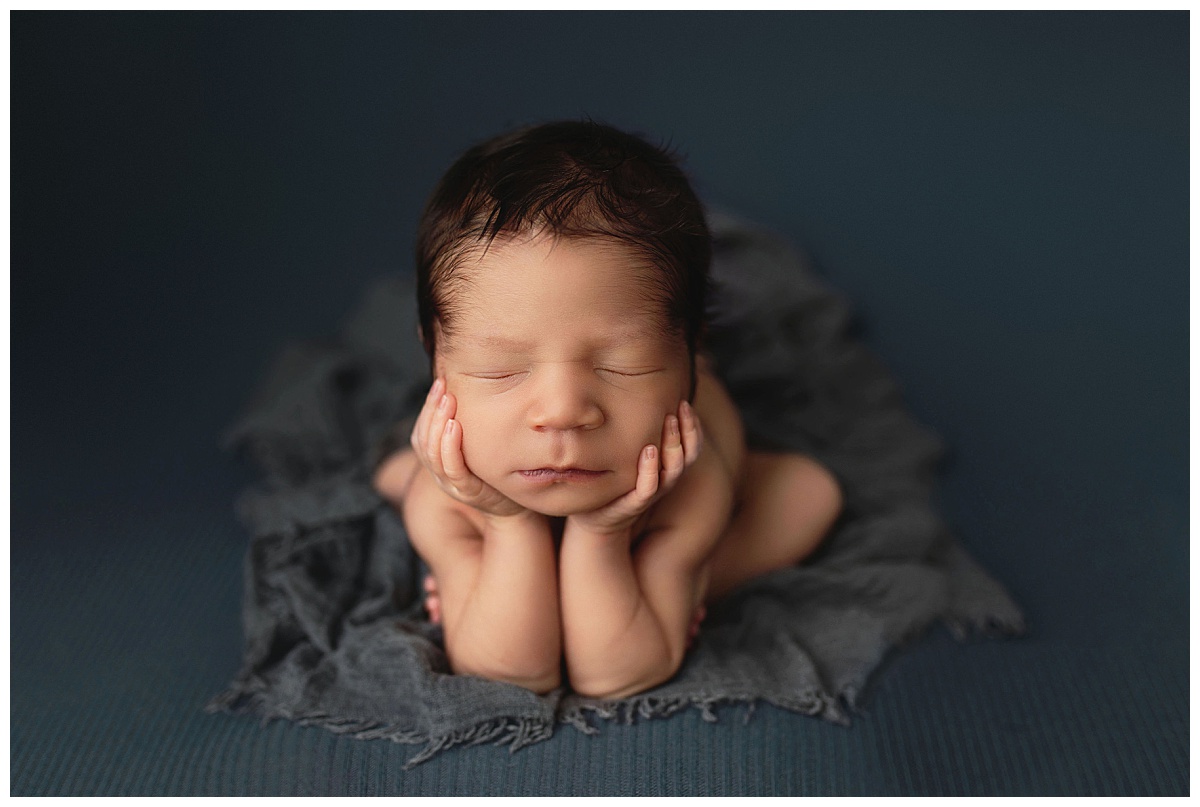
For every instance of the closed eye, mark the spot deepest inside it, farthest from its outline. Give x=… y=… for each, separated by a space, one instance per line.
x=493 y=376
x=627 y=373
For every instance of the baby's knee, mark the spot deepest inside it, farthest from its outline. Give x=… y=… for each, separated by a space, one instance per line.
x=394 y=475
x=815 y=486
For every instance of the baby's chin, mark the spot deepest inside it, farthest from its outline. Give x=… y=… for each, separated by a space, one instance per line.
x=563 y=512
x=563 y=500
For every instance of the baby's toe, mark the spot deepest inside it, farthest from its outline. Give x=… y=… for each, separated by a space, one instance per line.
x=433 y=604
x=694 y=628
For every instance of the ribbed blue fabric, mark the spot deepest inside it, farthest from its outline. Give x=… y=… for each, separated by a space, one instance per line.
x=117 y=645
x=1003 y=197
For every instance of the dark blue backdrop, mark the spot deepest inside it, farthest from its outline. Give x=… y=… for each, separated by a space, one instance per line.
x=1003 y=196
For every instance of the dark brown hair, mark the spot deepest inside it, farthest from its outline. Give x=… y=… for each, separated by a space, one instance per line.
x=576 y=179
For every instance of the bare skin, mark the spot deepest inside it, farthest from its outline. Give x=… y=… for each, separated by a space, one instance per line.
x=784 y=504
x=575 y=510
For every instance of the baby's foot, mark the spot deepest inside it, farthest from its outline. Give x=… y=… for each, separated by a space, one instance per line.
x=433 y=604
x=701 y=612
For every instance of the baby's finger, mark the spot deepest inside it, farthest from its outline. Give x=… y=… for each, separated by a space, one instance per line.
x=420 y=433
x=644 y=488
x=672 y=451
x=693 y=435
x=453 y=463
x=647 y=478
x=671 y=439
x=431 y=441
x=433 y=447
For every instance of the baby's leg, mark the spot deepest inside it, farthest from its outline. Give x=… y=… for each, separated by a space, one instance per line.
x=392 y=479
x=787 y=505
x=393 y=476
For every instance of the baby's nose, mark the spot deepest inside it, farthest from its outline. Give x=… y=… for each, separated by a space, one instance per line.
x=564 y=407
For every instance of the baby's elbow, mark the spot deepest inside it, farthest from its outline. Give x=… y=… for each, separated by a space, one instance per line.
x=538 y=685
x=538 y=681
x=617 y=687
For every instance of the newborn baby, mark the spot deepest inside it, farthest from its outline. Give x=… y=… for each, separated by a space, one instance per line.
x=578 y=482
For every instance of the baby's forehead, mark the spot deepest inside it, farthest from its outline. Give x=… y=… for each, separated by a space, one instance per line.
x=495 y=275
x=620 y=333
x=492 y=335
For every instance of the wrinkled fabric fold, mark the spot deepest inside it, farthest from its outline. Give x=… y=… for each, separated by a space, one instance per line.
x=334 y=630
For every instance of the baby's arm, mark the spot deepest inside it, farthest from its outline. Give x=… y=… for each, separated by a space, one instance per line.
x=498 y=590
x=497 y=585
x=626 y=614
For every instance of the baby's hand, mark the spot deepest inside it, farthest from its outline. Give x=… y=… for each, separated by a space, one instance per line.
x=681 y=444
x=437 y=442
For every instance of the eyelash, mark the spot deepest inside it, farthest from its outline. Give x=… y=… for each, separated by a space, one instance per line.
x=627 y=375
x=486 y=377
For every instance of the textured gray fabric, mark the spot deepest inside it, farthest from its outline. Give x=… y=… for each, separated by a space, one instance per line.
x=334 y=628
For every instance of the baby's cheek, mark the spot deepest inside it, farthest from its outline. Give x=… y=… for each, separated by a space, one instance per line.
x=655 y=421
x=482 y=449
x=647 y=431
x=474 y=435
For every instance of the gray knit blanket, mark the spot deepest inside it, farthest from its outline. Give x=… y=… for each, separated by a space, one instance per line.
x=335 y=632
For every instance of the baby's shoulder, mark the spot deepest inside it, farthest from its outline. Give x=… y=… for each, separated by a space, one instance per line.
x=724 y=434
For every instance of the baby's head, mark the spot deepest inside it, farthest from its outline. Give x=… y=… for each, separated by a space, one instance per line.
x=576 y=180
x=562 y=277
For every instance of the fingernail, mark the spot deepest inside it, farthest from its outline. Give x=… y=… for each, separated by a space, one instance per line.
x=443 y=402
x=650 y=452
x=673 y=426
